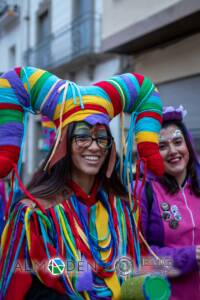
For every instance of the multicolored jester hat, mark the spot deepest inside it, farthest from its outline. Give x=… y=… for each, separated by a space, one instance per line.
x=28 y=89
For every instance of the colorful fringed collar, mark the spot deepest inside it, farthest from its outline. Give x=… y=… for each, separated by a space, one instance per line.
x=87 y=199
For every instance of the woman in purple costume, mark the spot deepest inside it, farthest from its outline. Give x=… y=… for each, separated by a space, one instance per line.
x=170 y=208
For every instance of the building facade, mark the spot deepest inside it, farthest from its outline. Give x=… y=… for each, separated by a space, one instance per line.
x=162 y=41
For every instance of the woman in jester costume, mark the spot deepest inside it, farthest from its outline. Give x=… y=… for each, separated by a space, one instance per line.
x=76 y=208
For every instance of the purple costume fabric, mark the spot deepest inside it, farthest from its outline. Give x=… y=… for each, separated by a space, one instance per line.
x=178 y=243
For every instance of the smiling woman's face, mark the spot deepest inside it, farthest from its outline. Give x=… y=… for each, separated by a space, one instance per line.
x=174 y=151
x=88 y=155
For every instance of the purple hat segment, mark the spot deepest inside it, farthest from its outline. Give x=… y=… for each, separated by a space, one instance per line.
x=18 y=88
x=97 y=119
x=172 y=113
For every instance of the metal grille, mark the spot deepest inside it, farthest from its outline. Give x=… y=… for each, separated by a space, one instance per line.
x=78 y=38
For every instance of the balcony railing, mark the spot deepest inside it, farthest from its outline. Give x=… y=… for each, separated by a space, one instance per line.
x=9 y=12
x=80 y=38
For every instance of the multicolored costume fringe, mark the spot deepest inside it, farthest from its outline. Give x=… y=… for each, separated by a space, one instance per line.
x=38 y=233
x=62 y=231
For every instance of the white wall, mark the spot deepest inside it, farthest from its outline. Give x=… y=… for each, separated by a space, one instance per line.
x=119 y=14
x=178 y=60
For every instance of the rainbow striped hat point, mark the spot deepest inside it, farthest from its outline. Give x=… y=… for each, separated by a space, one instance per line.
x=32 y=90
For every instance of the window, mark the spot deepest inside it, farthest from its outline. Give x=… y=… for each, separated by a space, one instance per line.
x=12 y=56
x=43 y=26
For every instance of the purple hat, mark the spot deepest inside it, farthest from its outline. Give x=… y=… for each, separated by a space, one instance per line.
x=172 y=113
